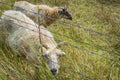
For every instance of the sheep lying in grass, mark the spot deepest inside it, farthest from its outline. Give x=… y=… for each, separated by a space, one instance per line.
x=47 y=15
x=24 y=37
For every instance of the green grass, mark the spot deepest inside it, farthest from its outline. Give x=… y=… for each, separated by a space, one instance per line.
x=78 y=64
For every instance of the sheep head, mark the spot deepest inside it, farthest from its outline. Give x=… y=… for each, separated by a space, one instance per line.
x=52 y=56
x=64 y=13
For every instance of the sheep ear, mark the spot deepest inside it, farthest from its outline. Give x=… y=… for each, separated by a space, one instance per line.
x=61 y=10
x=64 y=8
x=61 y=43
x=62 y=54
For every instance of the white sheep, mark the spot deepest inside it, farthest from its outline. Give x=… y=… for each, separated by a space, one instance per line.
x=47 y=15
x=24 y=37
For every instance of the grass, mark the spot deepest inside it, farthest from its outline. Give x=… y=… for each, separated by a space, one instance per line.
x=78 y=64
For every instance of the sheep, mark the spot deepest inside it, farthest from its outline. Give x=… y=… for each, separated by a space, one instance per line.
x=47 y=15
x=24 y=37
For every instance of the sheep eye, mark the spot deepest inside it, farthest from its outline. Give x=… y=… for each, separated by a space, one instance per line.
x=46 y=56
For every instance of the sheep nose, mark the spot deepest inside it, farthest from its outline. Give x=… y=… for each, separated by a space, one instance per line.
x=54 y=71
x=70 y=18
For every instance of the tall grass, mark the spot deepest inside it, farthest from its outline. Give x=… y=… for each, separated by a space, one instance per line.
x=78 y=64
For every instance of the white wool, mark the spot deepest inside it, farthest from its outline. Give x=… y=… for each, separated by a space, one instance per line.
x=18 y=33
x=24 y=40
x=31 y=11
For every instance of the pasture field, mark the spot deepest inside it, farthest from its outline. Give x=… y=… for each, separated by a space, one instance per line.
x=93 y=52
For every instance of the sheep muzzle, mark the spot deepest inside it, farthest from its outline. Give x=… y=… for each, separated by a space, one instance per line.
x=64 y=13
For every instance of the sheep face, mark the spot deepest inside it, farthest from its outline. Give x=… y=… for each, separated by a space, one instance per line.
x=52 y=56
x=64 y=13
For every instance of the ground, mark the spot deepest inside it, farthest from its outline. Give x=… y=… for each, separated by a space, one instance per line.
x=93 y=52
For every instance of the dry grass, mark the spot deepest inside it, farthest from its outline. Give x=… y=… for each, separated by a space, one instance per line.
x=78 y=64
